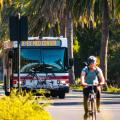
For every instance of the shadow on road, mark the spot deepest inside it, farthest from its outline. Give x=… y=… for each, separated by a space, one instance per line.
x=81 y=103
x=111 y=96
x=67 y=103
x=111 y=102
x=72 y=96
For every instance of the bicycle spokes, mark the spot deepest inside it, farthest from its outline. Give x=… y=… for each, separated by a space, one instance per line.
x=92 y=110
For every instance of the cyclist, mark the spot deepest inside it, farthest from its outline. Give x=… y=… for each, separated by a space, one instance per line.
x=91 y=74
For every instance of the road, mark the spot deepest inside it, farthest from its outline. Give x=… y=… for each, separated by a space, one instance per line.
x=71 y=108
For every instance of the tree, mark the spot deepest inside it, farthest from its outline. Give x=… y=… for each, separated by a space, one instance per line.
x=103 y=11
x=105 y=37
x=45 y=14
x=110 y=9
x=69 y=33
x=58 y=10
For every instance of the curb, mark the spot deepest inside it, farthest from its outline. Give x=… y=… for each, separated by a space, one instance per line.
x=77 y=90
x=110 y=92
x=102 y=92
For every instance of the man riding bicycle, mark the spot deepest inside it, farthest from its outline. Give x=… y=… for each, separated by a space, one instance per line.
x=91 y=74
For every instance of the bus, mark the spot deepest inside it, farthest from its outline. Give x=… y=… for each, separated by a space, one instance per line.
x=44 y=64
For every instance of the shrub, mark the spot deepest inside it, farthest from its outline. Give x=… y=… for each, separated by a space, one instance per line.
x=113 y=89
x=77 y=85
x=22 y=107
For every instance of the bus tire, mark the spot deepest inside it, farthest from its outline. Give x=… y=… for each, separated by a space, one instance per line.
x=53 y=93
x=7 y=93
x=62 y=95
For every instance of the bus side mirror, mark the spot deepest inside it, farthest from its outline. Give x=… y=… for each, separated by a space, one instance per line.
x=71 y=62
x=10 y=54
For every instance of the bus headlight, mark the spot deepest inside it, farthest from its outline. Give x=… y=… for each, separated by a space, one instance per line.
x=63 y=82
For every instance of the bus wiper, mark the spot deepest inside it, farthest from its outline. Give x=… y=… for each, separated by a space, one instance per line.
x=59 y=62
x=28 y=67
x=43 y=67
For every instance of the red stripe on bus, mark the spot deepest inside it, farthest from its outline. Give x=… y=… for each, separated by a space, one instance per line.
x=41 y=77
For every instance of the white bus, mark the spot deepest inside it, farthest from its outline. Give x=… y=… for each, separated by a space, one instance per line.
x=44 y=64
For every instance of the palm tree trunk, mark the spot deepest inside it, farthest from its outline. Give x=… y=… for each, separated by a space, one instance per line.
x=62 y=29
x=69 y=33
x=63 y=24
x=105 y=37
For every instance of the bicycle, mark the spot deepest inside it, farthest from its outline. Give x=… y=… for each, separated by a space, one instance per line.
x=92 y=103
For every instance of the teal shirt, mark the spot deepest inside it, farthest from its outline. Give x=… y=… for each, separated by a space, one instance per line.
x=91 y=76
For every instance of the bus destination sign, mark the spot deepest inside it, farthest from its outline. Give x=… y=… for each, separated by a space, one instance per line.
x=43 y=43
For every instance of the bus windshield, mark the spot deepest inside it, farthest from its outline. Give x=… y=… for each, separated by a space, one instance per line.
x=43 y=60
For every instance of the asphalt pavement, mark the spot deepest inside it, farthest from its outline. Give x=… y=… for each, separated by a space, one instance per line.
x=71 y=108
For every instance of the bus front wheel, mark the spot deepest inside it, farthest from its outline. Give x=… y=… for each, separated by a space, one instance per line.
x=61 y=95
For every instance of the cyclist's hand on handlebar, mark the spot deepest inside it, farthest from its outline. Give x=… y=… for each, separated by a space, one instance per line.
x=101 y=84
x=84 y=84
x=97 y=84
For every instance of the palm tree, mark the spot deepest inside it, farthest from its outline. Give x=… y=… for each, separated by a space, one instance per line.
x=69 y=34
x=103 y=11
x=72 y=12
x=44 y=14
x=54 y=11
x=105 y=37
x=63 y=11
x=111 y=10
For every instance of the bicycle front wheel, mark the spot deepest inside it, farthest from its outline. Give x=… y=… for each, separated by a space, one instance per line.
x=93 y=107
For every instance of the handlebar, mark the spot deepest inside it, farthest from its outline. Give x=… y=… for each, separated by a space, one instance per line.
x=93 y=85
